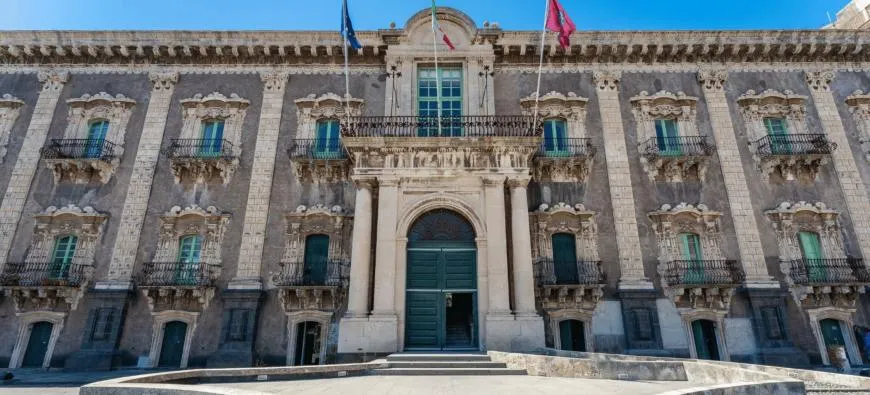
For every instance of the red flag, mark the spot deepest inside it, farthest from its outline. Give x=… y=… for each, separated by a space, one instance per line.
x=559 y=22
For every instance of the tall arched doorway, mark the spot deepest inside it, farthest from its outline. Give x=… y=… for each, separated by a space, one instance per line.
x=441 y=286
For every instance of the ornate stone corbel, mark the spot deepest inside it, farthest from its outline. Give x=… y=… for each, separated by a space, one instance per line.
x=859 y=106
x=10 y=109
x=607 y=80
x=713 y=80
x=820 y=80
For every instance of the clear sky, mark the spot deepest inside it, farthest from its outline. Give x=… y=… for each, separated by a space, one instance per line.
x=376 y=14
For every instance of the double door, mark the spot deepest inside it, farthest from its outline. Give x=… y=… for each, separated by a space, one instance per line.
x=441 y=299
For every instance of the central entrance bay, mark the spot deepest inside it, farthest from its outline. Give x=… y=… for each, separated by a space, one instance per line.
x=441 y=298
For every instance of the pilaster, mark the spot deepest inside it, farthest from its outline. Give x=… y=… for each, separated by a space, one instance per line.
x=28 y=158
x=260 y=191
x=385 y=254
x=361 y=247
x=139 y=191
x=742 y=213
x=619 y=175
x=524 y=274
x=496 y=246
x=853 y=188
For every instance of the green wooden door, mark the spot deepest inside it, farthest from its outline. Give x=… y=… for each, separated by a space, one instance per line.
x=327 y=141
x=778 y=132
x=97 y=131
x=690 y=244
x=811 y=250
x=172 y=348
x=706 y=344
x=212 y=138
x=832 y=333
x=316 y=258
x=565 y=258
x=555 y=138
x=667 y=137
x=572 y=335
x=62 y=257
x=37 y=346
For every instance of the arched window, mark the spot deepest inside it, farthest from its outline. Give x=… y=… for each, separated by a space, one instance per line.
x=62 y=256
x=555 y=137
x=316 y=259
x=327 y=141
x=212 y=137
x=693 y=256
x=811 y=251
x=189 y=251
x=668 y=136
x=97 y=131
x=565 y=258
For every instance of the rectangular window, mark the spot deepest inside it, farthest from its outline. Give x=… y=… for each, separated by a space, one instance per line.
x=555 y=138
x=667 y=137
x=693 y=257
x=189 y=250
x=772 y=323
x=62 y=256
x=327 y=142
x=778 y=135
x=643 y=324
x=811 y=250
x=103 y=320
x=238 y=325
x=212 y=138
x=450 y=100
x=97 y=131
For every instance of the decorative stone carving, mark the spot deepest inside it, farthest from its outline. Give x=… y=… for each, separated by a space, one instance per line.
x=78 y=160
x=34 y=284
x=295 y=291
x=839 y=289
x=859 y=106
x=713 y=80
x=574 y=162
x=606 y=80
x=688 y=160
x=805 y=160
x=716 y=279
x=309 y=110
x=197 y=168
x=10 y=108
x=580 y=222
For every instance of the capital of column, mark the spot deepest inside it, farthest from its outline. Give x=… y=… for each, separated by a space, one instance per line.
x=493 y=181
x=53 y=80
x=713 y=80
x=163 y=81
x=365 y=183
x=518 y=182
x=388 y=182
x=820 y=81
x=607 y=80
x=274 y=80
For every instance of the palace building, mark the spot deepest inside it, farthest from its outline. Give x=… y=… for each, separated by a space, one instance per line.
x=183 y=199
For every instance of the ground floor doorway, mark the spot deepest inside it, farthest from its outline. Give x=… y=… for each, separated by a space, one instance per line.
x=706 y=341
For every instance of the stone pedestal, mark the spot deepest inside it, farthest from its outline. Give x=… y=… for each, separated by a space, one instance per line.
x=376 y=334
x=106 y=309
x=506 y=332
x=641 y=320
x=238 y=326
x=775 y=346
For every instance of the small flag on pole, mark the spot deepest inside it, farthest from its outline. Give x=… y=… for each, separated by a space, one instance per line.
x=347 y=28
x=559 y=22
x=436 y=28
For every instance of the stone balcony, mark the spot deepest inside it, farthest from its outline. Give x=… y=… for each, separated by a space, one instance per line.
x=319 y=160
x=563 y=160
x=201 y=161
x=81 y=160
x=816 y=283
x=301 y=288
x=577 y=287
x=793 y=156
x=45 y=285
x=701 y=284
x=187 y=286
x=676 y=159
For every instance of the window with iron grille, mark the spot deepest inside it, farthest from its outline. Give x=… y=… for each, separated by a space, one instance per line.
x=238 y=325
x=102 y=329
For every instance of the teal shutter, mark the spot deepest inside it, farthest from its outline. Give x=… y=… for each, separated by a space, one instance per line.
x=189 y=251
x=698 y=335
x=212 y=138
x=811 y=249
x=316 y=258
x=693 y=256
x=778 y=132
x=326 y=143
x=64 y=250
x=565 y=258
x=97 y=131
x=555 y=138
x=451 y=101
x=667 y=137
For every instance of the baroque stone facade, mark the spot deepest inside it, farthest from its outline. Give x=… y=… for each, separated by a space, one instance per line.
x=652 y=200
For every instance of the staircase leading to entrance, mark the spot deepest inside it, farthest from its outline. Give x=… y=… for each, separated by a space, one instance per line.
x=445 y=364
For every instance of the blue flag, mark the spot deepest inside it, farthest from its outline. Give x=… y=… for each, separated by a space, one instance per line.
x=347 y=28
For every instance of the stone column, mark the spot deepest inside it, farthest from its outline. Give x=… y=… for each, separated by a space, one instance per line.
x=262 y=173
x=136 y=202
x=853 y=188
x=385 y=254
x=28 y=158
x=361 y=249
x=524 y=274
x=496 y=246
x=619 y=174
x=742 y=212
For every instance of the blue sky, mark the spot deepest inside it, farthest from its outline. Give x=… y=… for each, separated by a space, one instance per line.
x=375 y=14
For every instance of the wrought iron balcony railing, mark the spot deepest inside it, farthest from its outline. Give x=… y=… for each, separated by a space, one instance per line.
x=326 y=272
x=317 y=149
x=550 y=272
x=80 y=149
x=703 y=272
x=828 y=271
x=450 y=126
x=26 y=274
x=168 y=274
x=565 y=148
x=200 y=149
x=661 y=147
x=794 y=144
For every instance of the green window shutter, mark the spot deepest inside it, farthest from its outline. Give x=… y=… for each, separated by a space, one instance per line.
x=64 y=250
x=450 y=104
x=212 y=138
x=694 y=257
x=326 y=143
x=316 y=258
x=777 y=132
x=188 y=259
x=811 y=250
x=667 y=136
x=565 y=258
x=97 y=131
x=555 y=137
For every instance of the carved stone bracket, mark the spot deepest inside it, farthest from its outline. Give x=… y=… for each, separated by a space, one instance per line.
x=708 y=297
x=859 y=106
x=33 y=298
x=183 y=298
x=204 y=170
x=311 y=297
x=575 y=297
x=10 y=108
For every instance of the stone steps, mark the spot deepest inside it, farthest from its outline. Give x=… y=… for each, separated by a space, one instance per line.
x=445 y=364
x=449 y=364
x=435 y=357
x=449 y=372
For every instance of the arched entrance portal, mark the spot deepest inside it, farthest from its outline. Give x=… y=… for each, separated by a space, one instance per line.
x=441 y=287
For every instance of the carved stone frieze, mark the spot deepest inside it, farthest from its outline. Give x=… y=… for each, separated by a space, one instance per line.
x=10 y=109
x=44 y=298
x=682 y=158
x=570 y=107
x=572 y=297
x=312 y=297
x=315 y=167
x=181 y=298
x=859 y=106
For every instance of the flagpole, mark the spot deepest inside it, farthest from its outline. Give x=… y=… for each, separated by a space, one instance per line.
x=541 y=62
x=437 y=74
x=344 y=16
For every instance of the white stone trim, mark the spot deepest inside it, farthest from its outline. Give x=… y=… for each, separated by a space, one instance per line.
x=160 y=320
x=669 y=221
x=210 y=223
x=87 y=224
x=313 y=108
x=89 y=108
x=10 y=109
x=718 y=318
x=333 y=221
x=25 y=326
x=555 y=105
x=563 y=218
x=790 y=218
x=294 y=318
x=772 y=103
x=647 y=108
x=844 y=316
x=557 y=316
x=859 y=106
